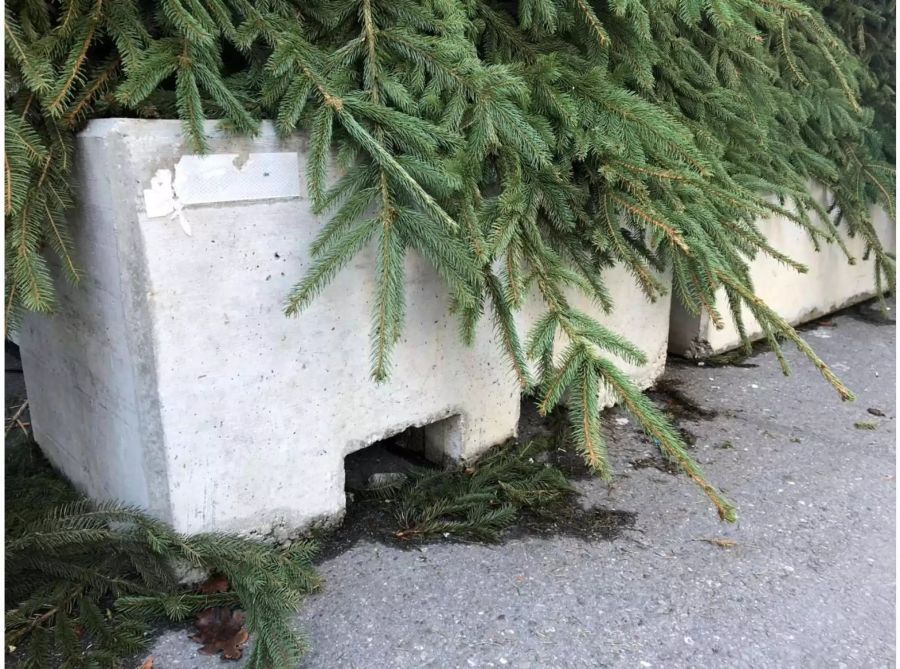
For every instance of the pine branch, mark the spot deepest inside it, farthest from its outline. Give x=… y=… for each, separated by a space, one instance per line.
x=764 y=313
x=655 y=425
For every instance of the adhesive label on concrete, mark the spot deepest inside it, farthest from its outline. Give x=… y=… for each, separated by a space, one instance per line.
x=234 y=177
x=219 y=178
x=223 y=177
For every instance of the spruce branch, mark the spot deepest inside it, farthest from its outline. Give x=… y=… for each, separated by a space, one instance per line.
x=109 y=570
x=764 y=313
x=657 y=427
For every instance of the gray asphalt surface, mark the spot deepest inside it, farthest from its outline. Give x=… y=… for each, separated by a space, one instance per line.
x=809 y=581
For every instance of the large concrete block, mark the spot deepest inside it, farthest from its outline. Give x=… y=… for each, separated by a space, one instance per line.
x=831 y=283
x=645 y=324
x=170 y=377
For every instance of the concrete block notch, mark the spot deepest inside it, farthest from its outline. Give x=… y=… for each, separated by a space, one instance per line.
x=171 y=379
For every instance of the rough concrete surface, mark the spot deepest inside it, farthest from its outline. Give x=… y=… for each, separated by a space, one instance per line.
x=809 y=582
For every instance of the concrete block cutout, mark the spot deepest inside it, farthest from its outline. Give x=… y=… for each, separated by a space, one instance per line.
x=831 y=283
x=171 y=379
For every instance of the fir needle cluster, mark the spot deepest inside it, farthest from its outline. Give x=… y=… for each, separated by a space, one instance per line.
x=86 y=581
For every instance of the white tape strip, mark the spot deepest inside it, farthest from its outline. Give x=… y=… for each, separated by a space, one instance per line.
x=232 y=177
x=221 y=177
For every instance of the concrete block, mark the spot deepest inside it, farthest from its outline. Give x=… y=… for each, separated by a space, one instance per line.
x=645 y=324
x=831 y=283
x=170 y=377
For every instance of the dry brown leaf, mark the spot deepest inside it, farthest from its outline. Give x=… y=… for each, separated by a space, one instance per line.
x=221 y=630
x=148 y=663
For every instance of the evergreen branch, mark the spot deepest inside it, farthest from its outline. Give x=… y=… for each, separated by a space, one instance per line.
x=655 y=425
x=87 y=96
x=590 y=441
x=573 y=358
x=389 y=301
x=7 y=181
x=648 y=282
x=384 y=159
x=888 y=200
x=11 y=304
x=707 y=306
x=36 y=71
x=372 y=72
x=669 y=231
x=764 y=313
x=63 y=244
x=328 y=264
x=590 y=18
x=659 y=174
x=55 y=105
x=190 y=104
x=505 y=325
x=320 y=145
x=789 y=55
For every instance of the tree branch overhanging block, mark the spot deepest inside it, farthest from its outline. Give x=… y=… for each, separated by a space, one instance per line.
x=829 y=284
x=171 y=379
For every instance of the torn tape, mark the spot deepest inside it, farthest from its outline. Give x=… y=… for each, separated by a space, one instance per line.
x=221 y=178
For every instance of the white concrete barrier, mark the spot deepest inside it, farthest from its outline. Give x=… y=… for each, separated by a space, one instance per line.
x=831 y=283
x=645 y=324
x=170 y=377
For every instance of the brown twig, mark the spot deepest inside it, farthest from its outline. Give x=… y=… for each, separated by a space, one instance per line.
x=14 y=420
